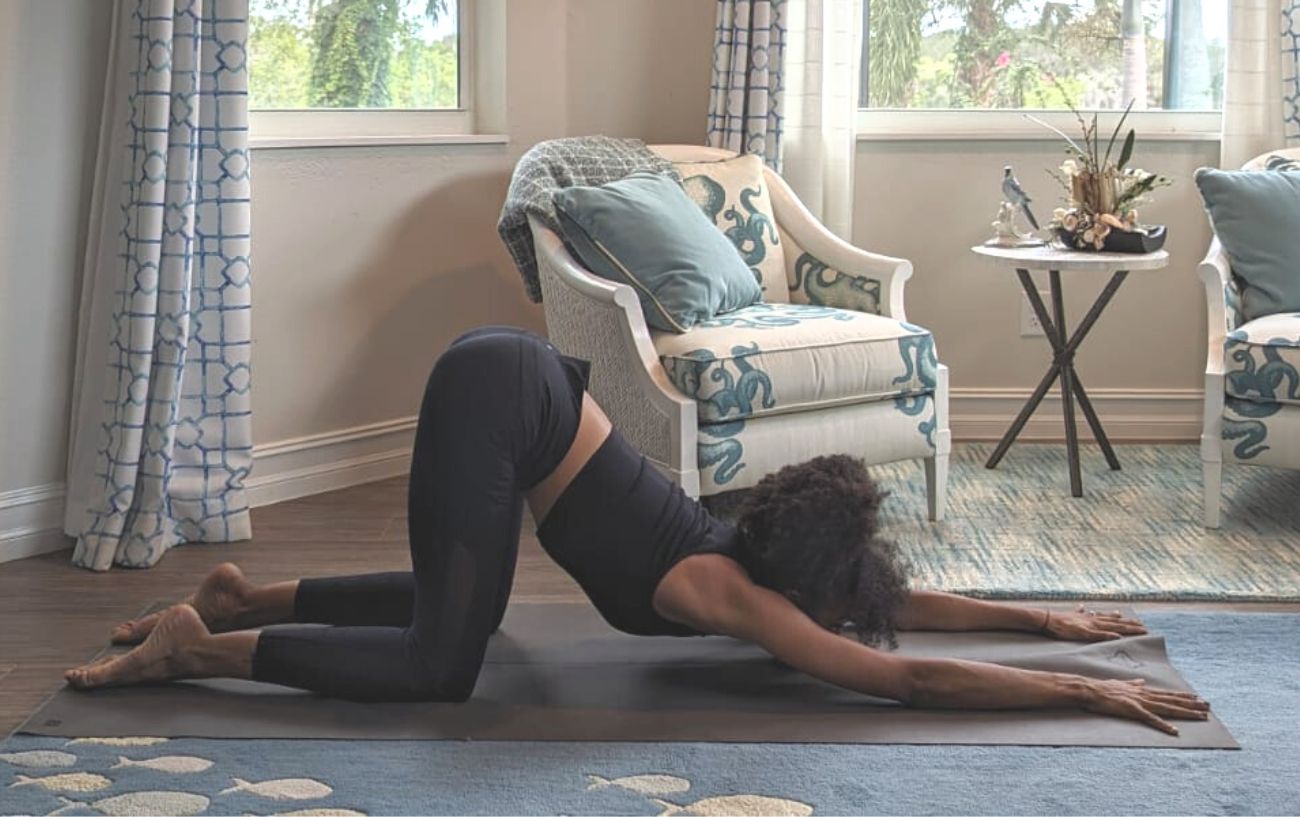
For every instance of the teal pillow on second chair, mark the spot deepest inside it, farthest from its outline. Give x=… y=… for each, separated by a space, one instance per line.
x=645 y=231
x=1256 y=215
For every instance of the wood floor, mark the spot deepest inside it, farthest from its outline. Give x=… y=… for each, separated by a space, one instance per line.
x=53 y=616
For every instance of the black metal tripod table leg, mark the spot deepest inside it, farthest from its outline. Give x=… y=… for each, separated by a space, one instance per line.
x=1063 y=348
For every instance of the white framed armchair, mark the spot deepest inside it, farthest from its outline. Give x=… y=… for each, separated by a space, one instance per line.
x=827 y=364
x=1252 y=375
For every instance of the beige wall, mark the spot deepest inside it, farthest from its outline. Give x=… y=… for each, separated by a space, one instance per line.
x=1145 y=358
x=369 y=261
x=639 y=68
x=51 y=80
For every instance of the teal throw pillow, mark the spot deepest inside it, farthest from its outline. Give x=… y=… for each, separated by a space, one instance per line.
x=1256 y=215
x=643 y=230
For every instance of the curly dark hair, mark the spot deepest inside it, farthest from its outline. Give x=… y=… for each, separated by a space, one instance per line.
x=808 y=532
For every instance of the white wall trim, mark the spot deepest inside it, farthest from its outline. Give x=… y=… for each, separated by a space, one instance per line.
x=316 y=463
x=931 y=124
x=1127 y=415
x=31 y=519
x=31 y=522
x=386 y=140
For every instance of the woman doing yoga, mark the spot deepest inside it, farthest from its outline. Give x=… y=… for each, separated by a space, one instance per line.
x=504 y=416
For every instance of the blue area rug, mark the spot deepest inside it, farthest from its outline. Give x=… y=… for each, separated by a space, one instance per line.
x=1248 y=665
x=1015 y=532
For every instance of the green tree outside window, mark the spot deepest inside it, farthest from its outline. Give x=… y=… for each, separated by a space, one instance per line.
x=1043 y=53
x=354 y=54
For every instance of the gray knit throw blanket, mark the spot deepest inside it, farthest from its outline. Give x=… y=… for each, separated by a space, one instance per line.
x=555 y=164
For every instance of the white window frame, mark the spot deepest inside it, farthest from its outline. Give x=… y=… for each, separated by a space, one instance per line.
x=994 y=124
x=347 y=127
x=975 y=124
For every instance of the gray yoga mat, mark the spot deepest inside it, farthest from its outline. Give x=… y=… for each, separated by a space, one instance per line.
x=557 y=672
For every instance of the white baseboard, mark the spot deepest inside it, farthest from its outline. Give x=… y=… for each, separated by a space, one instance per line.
x=303 y=466
x=1127 y=415
x=31 y=522
x=31 y=519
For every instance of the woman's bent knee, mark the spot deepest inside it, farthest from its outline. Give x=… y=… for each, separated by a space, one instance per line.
x=478 y=367
x=447 y=686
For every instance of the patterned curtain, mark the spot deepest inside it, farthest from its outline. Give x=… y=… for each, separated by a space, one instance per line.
x=745 y=92
x=161 y=437
x=1261 y=91
x=1291 y=72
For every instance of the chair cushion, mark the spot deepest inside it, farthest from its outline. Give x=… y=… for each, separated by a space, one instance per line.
x=778 y=358
x=1256 y=216
x=642 y=230
x=737 y=455
x=1262 y=359
x=733 y=195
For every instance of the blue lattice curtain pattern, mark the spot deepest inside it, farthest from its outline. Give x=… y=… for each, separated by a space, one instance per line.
x=1291 y=70
x=745 y=90
x=161 y=441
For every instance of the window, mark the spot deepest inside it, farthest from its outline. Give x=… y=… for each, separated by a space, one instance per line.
x=357 y=71
x=1041 y=54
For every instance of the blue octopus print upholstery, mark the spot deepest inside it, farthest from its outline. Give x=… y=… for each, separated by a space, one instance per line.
x=1261 y=433
x=1232 y=299
x=813 y=281
x=780 y=358
x=1261 y=414
x=734 y=195
x=738 y=454
x=1252 y=375
x=1262 y=360
x=1281 y=162
x=755 y=373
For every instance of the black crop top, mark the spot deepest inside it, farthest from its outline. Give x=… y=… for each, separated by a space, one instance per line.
x=620 y=526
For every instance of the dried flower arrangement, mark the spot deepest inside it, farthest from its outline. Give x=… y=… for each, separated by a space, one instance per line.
x=1103 y=195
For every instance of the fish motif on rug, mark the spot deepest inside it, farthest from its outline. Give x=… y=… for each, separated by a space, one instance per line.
x=737 y=805
x=173 y=764
x=141 y=803
x=285 y=788
x=654 y=787
x=40 y=759
x=70 y=781
x=647 y=784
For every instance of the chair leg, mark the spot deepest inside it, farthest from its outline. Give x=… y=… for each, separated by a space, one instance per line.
x=1212 y=487
x=936 y=485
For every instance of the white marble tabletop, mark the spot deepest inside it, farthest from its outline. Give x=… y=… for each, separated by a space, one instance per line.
x=1054 y=258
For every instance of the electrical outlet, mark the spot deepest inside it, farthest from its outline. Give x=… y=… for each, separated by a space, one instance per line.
x=1029 y=324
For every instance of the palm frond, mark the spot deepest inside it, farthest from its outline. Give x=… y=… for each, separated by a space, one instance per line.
x=1115 y=134
x=1073 y=144
x=1126 y=152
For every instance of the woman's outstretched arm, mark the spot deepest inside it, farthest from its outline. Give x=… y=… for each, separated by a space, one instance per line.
x=715 y=595
x=930 y=610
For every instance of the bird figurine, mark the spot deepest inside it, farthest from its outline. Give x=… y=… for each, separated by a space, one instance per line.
x=1016 y=195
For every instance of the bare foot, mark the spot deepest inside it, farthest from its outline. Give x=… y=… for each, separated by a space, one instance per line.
x=220 y=601
x=164 y=655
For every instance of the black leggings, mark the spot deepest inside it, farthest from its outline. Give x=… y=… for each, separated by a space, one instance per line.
x=500 y=411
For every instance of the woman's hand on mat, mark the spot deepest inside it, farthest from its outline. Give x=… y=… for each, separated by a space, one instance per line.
x=1136 y=701
x=1090 y=625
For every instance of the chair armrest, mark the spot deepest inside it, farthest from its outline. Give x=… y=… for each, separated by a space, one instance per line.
x=1221 y=299
x=835 y=253
x=601 y=321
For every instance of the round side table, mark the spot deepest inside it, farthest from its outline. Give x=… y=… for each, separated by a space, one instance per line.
x=1064 y=344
